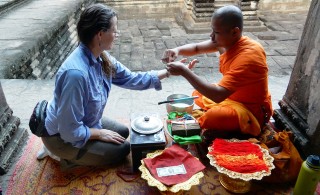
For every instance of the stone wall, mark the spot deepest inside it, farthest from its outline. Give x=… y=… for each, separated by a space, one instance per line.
x=128 y=9
x=43 y=61
x=284 y=5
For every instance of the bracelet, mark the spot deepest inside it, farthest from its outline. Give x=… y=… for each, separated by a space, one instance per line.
x=167 y=74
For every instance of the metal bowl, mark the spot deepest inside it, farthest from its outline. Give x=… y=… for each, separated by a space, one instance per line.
x=181 y=106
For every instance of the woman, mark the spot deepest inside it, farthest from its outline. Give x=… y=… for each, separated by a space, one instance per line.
x=80 y=135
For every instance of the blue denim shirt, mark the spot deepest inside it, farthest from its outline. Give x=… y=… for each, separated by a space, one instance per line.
x=81 y=93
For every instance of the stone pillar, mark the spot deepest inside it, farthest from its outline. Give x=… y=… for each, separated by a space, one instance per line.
x=12 y=137
x=300 y=107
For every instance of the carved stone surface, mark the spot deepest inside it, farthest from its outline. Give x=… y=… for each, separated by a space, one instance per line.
x=195 y=17
x=130 y=9
x=11 y=136
x=301 y=102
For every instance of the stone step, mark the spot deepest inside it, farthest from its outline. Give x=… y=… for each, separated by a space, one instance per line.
x=204 y=9
x=250 y=17
x=8 y=130
x=224 y=1
x=255 y=28
x=252 y=23
x=218 y=4
x=12 y=149
x=204 y=5
x=201 y=19
x=204 y=26
x=249 y=13
x=202 y=15
x=248 y=8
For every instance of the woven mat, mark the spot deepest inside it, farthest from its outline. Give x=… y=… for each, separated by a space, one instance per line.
x=31 y=176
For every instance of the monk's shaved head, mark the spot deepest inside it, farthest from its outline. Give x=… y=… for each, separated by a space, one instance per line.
x=229 y=16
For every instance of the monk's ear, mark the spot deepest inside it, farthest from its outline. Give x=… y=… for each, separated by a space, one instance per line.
x=236 y=31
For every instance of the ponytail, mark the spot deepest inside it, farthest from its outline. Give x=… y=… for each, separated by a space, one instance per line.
x=107 y=66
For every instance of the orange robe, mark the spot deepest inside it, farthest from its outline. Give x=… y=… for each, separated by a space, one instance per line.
x=245 y=73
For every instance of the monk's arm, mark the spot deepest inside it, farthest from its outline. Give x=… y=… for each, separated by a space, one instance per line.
x=214 y=92
x=197 y=48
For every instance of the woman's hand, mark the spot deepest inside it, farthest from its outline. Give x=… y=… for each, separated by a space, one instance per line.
x=111 y=136
x=178 y=67
x=106 y=136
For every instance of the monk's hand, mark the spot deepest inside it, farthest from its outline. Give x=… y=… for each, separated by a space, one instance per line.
x=179 y=67
x=110 y=136
x=169 y=55
x=192 y=63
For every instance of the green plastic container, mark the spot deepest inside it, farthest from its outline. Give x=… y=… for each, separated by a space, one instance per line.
x=309 y=176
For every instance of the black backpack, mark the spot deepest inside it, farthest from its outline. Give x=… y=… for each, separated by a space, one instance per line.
x=37 y=119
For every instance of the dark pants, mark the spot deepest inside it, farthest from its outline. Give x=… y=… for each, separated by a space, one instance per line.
x=94 y=153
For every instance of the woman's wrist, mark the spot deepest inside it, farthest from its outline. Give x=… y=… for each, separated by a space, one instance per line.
x=163 y=74
x=95 y=133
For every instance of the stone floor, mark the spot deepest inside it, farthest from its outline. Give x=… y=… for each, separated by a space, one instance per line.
x=140 y=48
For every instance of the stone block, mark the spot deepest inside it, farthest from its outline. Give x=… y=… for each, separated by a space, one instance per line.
x=150 y=63
x=160 y=45
x=181 y=42
x=274 y=68
x=204 y=62
x=163 y=26
x=148 y=45
x=284 y=61
x=135 y=31
x=271 y=52
x=125 y=48
x=135 y=65
x=170 y=43
x=159 y=54
x=124 y=58
x=165 y=32
x=177 y=32
x=125 y=38
x=287 y=51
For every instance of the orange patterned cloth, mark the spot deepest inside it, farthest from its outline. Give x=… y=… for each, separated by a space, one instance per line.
x=31 y=176
x=241 y=157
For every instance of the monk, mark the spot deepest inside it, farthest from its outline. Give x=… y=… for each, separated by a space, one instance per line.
x=240 y=101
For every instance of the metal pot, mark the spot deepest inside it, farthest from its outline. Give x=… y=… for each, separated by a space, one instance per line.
x=185 y=106
x=146 y=124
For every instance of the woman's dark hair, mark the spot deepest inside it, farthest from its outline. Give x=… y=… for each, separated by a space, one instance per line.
x=93 y=19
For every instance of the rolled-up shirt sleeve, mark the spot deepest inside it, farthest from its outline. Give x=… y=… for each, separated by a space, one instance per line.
x=134 y=80
x=74 y=94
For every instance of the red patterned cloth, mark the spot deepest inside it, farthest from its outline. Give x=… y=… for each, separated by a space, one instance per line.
x=241 y=157
x=174 y=156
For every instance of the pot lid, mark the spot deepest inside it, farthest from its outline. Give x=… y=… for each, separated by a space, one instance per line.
x=146 y=124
